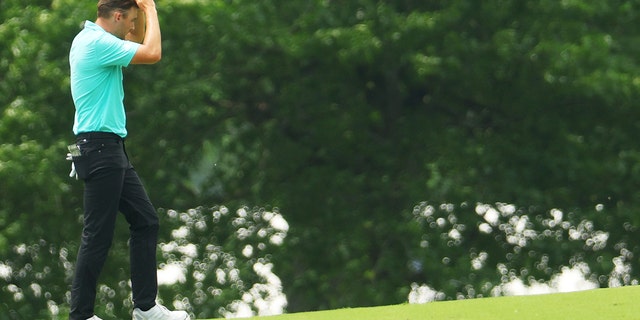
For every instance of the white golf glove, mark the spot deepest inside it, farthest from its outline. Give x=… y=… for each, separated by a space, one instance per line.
x=73 y=173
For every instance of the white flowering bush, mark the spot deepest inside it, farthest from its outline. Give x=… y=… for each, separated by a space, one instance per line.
x=217 y=262
x=212 y=262
x=501 y=249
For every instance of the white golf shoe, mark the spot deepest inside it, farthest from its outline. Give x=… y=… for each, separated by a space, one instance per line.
x=95 y=318
x=159 y=312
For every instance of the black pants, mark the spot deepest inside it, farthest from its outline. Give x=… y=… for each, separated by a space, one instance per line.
x=111 y=184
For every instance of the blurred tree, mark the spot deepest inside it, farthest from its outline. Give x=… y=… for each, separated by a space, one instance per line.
x=345 y=116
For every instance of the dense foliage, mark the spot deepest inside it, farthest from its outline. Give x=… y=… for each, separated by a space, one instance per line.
x=353 y=120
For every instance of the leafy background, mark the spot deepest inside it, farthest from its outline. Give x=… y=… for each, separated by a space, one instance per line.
x=381 y=132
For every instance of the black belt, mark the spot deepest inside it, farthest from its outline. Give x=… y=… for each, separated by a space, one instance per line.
x=96 y=135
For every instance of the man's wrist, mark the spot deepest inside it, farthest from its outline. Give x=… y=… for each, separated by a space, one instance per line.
x=150 y=9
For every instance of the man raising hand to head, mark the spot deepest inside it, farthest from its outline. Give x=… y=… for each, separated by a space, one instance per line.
x=125 y=32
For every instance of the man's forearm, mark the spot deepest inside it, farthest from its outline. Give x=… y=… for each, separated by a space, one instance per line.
x=150 y=51
x=137 y=35
x=152 y=35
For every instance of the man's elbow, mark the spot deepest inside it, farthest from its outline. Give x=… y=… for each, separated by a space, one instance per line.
x=147 y=57
x=156 y=57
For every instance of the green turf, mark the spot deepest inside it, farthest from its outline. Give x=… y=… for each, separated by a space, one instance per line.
x=616 y=303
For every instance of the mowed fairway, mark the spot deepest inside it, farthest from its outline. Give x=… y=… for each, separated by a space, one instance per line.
x=616 y=303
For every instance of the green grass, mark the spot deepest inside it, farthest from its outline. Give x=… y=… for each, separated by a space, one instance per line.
x=616 y=303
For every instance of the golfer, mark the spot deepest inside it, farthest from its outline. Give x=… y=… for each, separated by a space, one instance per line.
x=125 y=32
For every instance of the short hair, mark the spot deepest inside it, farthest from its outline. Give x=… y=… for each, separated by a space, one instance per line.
x=107 y=7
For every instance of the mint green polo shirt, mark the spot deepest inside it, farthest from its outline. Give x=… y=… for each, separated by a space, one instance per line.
x=96 y=59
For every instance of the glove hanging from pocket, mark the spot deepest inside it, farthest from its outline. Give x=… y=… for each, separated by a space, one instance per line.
x=73 y=173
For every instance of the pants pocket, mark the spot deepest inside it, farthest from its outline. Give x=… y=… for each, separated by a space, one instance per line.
x=82 y=166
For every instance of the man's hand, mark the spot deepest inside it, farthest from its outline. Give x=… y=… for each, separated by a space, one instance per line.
x=144 y=4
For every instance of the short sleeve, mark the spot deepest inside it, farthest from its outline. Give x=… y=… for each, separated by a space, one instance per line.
x=115 y=51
